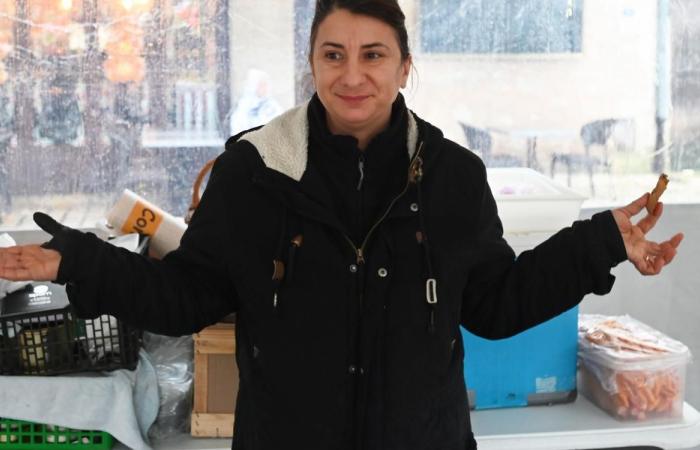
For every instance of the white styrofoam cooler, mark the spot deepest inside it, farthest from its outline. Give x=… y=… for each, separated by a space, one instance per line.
x=529 y=202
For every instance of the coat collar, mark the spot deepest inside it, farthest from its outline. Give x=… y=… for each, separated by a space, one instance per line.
x=283 y=143
x=282 y=146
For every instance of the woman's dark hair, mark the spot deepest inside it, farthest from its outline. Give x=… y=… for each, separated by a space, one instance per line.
x=388 y=11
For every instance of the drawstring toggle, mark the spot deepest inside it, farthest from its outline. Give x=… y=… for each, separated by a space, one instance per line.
x=277 y=277
x=431 y=291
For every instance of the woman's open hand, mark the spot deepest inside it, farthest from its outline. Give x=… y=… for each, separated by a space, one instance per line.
x=29 y=262
x=33 y=262
x=647 y=256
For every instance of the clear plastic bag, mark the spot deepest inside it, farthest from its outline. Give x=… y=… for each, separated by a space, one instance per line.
x=172 y=358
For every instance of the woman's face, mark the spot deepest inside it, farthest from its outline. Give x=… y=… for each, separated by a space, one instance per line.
x=357 y=70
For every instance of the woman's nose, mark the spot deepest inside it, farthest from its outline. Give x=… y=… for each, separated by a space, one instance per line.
x=353 y=75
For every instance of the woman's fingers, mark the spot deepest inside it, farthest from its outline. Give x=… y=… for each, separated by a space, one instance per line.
x=646 y=267
x=18 y=274
x=648 y=222
x=676 y=240
x=11 y=264
x=657 y=264
x=636 y=206
x=8 y=259
x=656 y=256
x=651 y=265
x=669 y=248
x=28 y=262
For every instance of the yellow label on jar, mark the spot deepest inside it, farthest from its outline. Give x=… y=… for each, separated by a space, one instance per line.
x=142 y=219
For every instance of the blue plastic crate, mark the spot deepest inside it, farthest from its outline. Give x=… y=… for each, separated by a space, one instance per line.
x=535 y=367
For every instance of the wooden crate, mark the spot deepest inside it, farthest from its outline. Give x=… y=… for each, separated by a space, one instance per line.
x=215 y=381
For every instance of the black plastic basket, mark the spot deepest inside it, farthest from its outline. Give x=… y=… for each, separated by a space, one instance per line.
x=56 y=341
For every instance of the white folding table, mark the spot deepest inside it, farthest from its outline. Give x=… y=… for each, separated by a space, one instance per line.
x=577 y=425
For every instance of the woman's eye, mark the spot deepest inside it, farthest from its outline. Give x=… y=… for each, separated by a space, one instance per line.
x=373 y=55
x=333 y=56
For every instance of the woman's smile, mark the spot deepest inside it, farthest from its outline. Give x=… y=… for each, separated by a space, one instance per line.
x=353 y=99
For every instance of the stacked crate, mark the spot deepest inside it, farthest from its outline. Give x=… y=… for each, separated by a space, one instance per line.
x=41 y=335
x=215 y=381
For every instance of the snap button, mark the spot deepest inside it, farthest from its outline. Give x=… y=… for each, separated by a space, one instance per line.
x=414 y=207
x=382 y=272
x=353 y=268
x=352 y=369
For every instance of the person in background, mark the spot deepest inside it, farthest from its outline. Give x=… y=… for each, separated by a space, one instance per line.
x=256 y=106
x=352 y=239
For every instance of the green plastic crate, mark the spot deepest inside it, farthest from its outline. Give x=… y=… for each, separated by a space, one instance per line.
x=21 y=435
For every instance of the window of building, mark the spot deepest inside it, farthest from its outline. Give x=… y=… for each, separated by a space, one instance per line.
x=500 y=26
x=98 y=96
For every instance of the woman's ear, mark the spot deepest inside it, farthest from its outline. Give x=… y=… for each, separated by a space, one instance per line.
x=312 y=74
x=406 y=70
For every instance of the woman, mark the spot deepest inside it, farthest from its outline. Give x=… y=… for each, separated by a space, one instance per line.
x=352 y=239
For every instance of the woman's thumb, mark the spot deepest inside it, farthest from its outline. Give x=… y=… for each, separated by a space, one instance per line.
x=47 y=223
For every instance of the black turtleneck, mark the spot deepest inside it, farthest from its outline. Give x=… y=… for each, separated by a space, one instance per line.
x=358 y=200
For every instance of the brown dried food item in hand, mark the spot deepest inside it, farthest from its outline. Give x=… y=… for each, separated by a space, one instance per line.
x=656 y=192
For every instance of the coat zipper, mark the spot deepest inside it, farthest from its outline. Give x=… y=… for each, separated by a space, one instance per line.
x=361 y=167
x=360 y=252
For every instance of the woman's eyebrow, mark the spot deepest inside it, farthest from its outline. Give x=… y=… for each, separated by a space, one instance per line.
x=364 y=46
x=374 y=44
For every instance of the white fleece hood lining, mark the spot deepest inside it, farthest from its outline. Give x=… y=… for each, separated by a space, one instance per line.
x=283 y=144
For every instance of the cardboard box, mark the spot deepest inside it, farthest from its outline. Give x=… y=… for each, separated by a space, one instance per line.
x=215 y=381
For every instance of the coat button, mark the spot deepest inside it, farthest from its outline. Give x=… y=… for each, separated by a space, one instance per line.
x=352 y=369
x=353 y=268
x=414 y=207
x=382 y=272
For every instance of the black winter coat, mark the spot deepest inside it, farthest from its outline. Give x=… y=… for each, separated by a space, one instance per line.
x=324 y=364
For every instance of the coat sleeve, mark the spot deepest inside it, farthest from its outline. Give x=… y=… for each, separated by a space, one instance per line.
x=181 y=294
x=505 y=295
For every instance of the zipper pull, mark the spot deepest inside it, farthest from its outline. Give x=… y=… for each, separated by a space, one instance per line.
x=360 y=256
x=361 y=167
x=415 y=171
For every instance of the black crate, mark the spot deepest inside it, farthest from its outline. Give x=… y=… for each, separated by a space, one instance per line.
x=40 y=334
